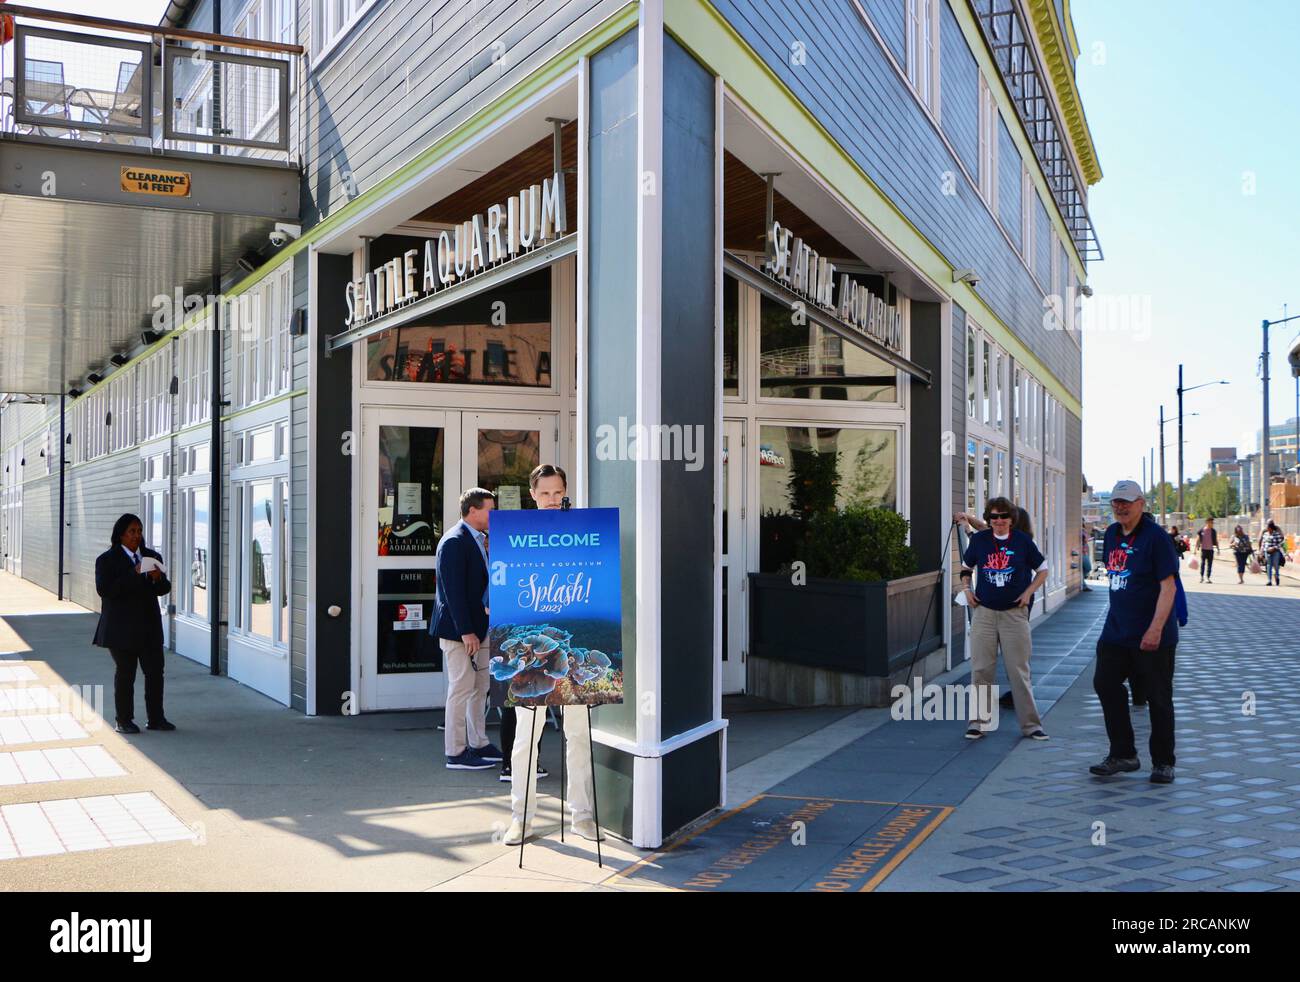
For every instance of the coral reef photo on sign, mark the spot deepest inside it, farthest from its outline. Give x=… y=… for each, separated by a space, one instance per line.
x=555 y=598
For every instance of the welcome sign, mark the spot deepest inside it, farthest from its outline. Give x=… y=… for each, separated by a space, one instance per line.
x=556 y=608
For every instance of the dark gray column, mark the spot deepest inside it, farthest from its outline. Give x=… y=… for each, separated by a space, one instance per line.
x=331 y=496
x=651 y=361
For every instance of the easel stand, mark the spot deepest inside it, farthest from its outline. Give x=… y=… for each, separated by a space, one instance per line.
x=564 y=781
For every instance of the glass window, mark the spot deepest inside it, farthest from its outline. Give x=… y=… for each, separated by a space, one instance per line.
x=972 y=488
x=804 y=361
x=998 y=384
x=805 y=470
x=199 y=545
x=730 y=336
x=985 y=394
x=971 y=393
x=261 y=556
x=452 y=345
x=985 y=486
x=1015 y=396
x=285 y=541
x=411 y=490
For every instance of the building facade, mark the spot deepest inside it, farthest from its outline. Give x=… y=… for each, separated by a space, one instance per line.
x=845 y=239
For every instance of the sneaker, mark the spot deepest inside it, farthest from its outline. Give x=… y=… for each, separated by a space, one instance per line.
x=489 y=753
x=506 y=774
x=974 y=733
x=1039 y=735
x=516 y=834
x=468 y=761
x=586 y=828
x=165 y=725
x=1162 y=774
x=1113 y=765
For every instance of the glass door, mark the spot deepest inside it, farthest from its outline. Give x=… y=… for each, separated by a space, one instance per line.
x=500 y=450
x=410 y=489
x=734 y=583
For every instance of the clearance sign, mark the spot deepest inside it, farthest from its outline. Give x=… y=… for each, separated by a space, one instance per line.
x=141 y=180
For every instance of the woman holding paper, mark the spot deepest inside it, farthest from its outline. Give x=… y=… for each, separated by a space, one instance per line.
x=129 y=579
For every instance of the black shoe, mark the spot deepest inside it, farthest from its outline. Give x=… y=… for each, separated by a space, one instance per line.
x=126 y=728
x=1162 y=774
x=162 y=724
x=1007 y=700
x=1113 y=765
x=1139 y=702
x=974 y=733
x=1039 y=735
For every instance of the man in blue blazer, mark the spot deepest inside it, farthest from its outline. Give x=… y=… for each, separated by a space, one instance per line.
x=460 y=623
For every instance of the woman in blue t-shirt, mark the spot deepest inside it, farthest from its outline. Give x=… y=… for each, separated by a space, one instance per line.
x=1010 y=569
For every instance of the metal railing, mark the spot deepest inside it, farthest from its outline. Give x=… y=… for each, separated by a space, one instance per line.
x=99 y=81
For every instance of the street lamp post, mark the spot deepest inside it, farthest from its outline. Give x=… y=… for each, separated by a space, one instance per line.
x=1162 y=465
x=1181 y=390
x=1263 y=455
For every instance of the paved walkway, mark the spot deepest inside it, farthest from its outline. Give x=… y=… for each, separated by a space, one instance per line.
x=250 y=795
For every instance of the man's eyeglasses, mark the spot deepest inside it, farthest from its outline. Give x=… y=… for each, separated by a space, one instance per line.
x=999 y=518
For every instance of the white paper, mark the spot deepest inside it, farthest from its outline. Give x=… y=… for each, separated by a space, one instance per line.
x=408 y=498
x=509 y=496
x=148 y=563
x=960 y=600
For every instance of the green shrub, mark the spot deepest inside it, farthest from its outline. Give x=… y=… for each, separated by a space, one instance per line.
x=858 y=543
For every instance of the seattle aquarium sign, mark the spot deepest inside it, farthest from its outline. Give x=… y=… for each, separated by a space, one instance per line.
x=534 y=217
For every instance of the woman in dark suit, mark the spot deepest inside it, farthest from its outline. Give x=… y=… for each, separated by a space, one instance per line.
x=130 y=623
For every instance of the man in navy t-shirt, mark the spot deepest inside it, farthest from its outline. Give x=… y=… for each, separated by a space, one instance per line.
x=1010 y=568
x=1140 y=634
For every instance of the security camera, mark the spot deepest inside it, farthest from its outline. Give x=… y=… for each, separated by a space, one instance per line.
x=967 y=276
x=1086 y=290
x=283 y=232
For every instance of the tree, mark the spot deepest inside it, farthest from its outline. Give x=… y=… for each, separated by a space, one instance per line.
x=1153 y=497
x=1213 y=496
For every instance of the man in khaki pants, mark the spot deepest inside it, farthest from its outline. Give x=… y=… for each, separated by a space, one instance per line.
x=1010 y=570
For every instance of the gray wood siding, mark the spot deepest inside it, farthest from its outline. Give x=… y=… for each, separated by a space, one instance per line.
x=1010 y=187
x=848 y=84
x=1073 y=498
x=365 y=119
x=959 y=87
x=1042 y=245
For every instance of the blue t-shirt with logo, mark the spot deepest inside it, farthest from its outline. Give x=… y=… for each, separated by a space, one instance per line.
x=1137 y=563
x=1005 y=567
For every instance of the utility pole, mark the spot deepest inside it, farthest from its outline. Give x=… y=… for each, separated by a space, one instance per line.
x=1263 y=450
x=1162 y=465
x=1180 y=438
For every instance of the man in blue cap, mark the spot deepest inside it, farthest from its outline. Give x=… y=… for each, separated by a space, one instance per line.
x=1140 y=634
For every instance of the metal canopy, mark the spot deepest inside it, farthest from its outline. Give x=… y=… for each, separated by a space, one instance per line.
x=82 y=268
x=747 y=274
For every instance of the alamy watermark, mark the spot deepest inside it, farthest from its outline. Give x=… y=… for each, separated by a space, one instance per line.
x=656 y=441
x=948 y=702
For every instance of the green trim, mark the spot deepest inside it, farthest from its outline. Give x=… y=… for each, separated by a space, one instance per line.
x=1069 y=32
x=1056 y=51
x=262 y=405
x=715 y=43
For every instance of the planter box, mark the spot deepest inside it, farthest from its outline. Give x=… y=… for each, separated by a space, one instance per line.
x=863 y=630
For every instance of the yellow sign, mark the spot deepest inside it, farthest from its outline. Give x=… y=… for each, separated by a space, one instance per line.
x=142 y=180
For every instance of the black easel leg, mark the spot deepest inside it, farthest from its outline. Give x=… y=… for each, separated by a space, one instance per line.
x=528 y=781
x=595 y=804
x=564 y=774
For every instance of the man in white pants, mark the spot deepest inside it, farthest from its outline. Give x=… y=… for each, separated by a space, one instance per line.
x=548 y=486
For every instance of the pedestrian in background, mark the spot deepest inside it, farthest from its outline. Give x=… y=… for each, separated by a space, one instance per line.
x=129 y=579
x=1010 y=569
x=1180 y=542
x=1271 y=542
x=1085 y=552
x=1241 y=550
x=1139 y=636
x=1209 y=540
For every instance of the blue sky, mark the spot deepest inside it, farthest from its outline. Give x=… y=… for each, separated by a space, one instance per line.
x=1186 y=101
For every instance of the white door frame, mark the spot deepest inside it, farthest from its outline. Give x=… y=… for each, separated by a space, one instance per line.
x=733 y=562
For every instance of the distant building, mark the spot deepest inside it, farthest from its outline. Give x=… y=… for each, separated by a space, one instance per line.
x=1281 y=437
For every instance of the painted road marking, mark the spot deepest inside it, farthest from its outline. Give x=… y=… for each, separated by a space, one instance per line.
x=57 y=764
x=18 y=673
x=39 y=729
x=797 y=843
x=16 y=698
x=46 y=828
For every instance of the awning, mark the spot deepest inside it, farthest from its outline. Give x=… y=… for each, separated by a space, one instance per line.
x=769 y=287
x=489 y=279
